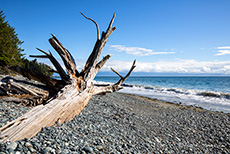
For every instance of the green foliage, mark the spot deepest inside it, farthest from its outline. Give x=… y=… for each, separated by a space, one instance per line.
x=41 y=67
x=10 y=52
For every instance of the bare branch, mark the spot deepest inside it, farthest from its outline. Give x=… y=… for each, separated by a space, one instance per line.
x=102 y=63
x=43 y=51
x=90 y=69
x=130 y=71
x=98 y=31
x=69 y=54
x=115 y=87
x=39 y=56
x=111 y=22
x=55 y=63
x=54 y=71
x=116 y=73
x=65 y=55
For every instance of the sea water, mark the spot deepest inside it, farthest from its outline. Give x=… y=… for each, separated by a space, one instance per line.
x=212 y=93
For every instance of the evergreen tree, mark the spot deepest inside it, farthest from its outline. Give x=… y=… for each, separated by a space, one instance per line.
x=41 y=67
x=10 y=51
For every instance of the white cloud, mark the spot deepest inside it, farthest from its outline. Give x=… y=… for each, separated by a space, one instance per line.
x=225 y=50
x=222 y=52
x=225 y=47
x=138 y=51
x=177 y=66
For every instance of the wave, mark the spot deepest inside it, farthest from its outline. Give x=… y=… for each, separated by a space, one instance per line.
x=183 y=91
x=211 y=100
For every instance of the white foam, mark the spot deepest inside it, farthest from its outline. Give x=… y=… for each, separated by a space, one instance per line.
x=185 y=97
x=209 y=100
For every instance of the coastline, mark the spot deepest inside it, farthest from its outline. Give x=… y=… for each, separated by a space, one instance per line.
x=209 y=93
x=126 y=123
x=165 y=104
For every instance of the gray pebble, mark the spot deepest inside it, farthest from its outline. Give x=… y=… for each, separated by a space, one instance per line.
x=12 y=146
x=11 y=151
x=31 y=149
x=44 y=151
x=28 y=144
x=88 y=149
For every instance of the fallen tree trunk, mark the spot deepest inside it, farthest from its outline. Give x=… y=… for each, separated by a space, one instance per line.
x=70 y=94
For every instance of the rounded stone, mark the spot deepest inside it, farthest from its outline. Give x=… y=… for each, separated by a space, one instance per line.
x=31 y=149
x=28 y=144
x=88 y=149
x=99 y=147
x=11 y=151
x=12 y=145
x=44 y=151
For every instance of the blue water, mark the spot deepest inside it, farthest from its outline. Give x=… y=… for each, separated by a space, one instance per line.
x=218 y=84
x=212 y=93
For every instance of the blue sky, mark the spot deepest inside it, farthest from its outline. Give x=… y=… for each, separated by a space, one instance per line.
x=164 y=36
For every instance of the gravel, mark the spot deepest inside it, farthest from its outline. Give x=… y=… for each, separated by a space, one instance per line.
x=122 y=123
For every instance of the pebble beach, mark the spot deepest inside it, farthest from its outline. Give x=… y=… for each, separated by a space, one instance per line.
x=124 y=123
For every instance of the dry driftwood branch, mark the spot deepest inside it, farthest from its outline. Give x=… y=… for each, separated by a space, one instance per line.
x=56 y=64
x=115 y=87
x=89 y=70
x=31 y=73
x=72 y=92
x=98 y=31
x=65 y=55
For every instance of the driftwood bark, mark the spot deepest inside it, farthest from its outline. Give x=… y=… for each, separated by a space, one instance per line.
x=71 y=93
x=13 y=91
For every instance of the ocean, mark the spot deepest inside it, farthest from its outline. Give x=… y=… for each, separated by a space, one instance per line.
x=211 y=93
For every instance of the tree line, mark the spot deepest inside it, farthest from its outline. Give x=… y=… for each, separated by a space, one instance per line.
x=11 y=52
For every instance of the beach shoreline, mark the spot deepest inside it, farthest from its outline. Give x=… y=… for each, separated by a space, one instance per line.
x=169 y=104
x=127 y=123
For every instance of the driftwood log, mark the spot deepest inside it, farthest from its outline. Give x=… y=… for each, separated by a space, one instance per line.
x=70 y=94
x=13 y=90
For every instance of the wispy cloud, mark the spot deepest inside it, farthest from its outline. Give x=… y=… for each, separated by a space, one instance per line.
x=176 y=66
x=138 y=51
x=225 y=50
x=225 y=47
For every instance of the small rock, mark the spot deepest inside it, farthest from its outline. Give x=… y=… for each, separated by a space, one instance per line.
x=12 y=145
x=88 y=149
x=49 y=149
x=178 y=139
x=45 y=151
x=31 y=149
x=157 y=139
x=99 y=147
x=65 y=151
x=36 y=146
x=11 y=151
x=28 y=152
x=28 y=144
